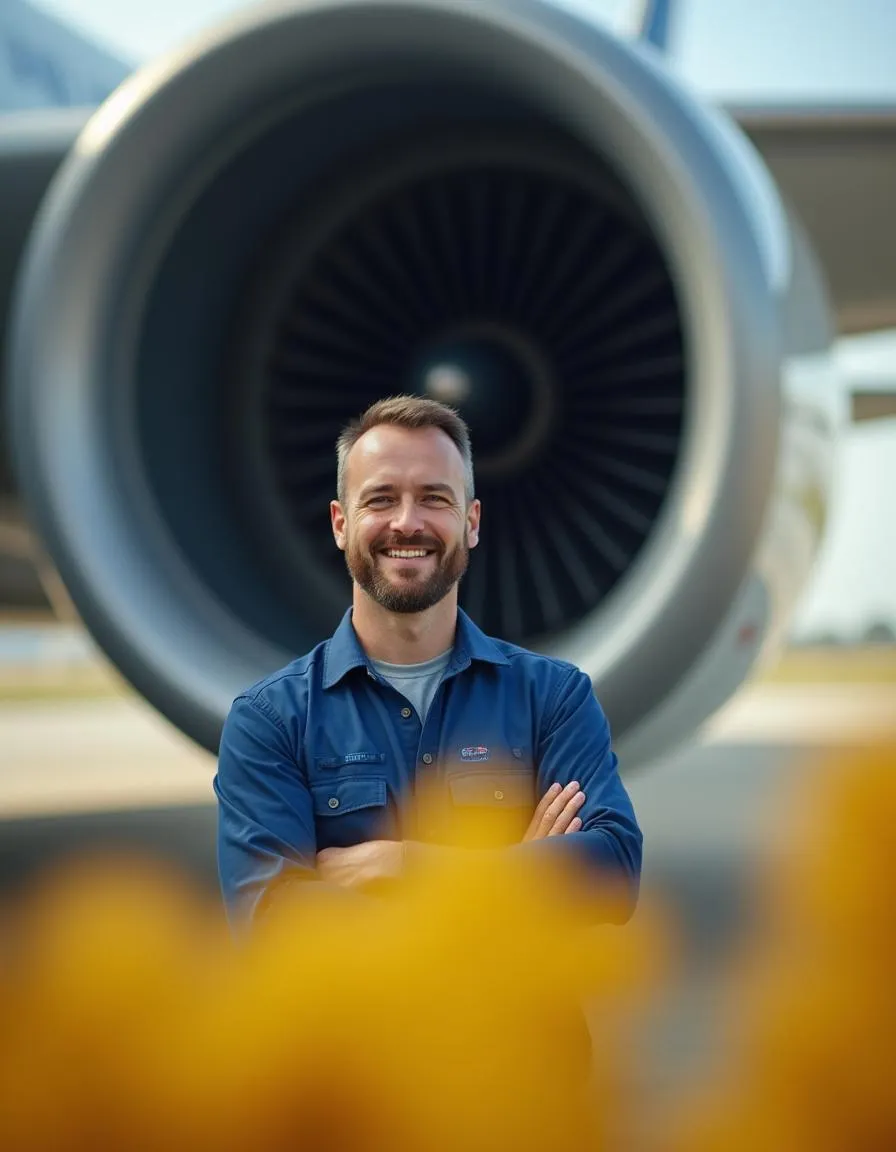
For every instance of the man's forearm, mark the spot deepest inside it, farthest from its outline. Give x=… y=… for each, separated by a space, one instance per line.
x=607 y=861
x=301 y=884
x=610 y=873
x=601 y=857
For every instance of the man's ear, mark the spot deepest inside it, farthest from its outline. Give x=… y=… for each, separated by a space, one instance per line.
x=337 y=523
x=473 y=514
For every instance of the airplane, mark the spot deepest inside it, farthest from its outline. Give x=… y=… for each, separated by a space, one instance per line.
x=631 y=295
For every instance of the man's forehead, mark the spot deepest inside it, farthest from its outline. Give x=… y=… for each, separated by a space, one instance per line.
x=418 y=454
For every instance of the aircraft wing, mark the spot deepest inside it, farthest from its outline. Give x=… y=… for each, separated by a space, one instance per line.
x=836 y=167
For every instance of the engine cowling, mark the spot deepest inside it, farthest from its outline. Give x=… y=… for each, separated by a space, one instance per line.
x=497 y=204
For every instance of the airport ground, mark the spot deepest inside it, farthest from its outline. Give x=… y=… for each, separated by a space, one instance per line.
x=84 y=765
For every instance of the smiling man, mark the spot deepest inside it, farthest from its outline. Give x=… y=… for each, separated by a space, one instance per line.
x=331 y=769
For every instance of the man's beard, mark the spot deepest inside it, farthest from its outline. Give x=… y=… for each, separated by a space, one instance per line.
x=423 y=593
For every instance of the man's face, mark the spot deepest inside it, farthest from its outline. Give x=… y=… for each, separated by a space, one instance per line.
x=405 y=528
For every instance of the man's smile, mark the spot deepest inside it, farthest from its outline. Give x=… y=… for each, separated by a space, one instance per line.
x=407 y=553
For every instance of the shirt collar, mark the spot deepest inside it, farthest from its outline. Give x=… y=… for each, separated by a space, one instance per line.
x=344 y=651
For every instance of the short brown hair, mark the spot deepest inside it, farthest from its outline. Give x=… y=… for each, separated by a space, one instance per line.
x=406 y=412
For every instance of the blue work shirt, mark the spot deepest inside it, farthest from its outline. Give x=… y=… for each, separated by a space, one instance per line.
x=325 y=753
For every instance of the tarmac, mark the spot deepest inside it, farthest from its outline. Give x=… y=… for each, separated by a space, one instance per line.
x=112 y=775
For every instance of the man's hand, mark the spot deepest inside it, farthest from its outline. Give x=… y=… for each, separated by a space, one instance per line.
x=556 y=814
x=361 y=865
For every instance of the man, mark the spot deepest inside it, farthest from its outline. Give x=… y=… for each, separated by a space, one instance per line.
x=326 y=767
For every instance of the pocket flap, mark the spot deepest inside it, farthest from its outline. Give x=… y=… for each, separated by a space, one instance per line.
x=348 y=794
x=496 y=789
x=346 y=759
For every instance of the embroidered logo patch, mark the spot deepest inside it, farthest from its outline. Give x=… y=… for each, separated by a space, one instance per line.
x=474 y=752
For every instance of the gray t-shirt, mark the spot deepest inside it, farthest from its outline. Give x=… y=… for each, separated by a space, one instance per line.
x=416 y=682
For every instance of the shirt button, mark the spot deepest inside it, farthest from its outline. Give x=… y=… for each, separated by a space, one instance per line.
x=333 y=802
x=499 y=795
x=427 y=758
x=405 y=712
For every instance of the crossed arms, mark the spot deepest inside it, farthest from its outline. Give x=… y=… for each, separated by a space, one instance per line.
x=375 y=861
x=266 y=823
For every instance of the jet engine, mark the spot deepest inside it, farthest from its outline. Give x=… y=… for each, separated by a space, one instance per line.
x=497 y=204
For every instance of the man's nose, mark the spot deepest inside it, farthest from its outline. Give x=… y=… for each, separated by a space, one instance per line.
x=406 y=518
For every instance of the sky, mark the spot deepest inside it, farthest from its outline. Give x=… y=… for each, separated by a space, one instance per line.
x=728 y=50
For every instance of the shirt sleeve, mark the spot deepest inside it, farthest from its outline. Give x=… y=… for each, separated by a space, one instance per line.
x=265 y=813
x=576 y=745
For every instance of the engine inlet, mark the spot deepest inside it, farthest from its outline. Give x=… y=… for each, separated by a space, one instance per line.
x=535 y=301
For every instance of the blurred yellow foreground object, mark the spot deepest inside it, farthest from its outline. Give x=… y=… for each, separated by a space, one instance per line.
x=446 y=1015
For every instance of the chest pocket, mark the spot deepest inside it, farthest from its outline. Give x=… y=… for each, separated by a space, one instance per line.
x=492 y=807
x=351 y=809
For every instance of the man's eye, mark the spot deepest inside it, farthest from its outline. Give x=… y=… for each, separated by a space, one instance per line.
x=434 y=497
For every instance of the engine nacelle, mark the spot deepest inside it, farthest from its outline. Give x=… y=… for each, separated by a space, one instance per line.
x=498 y=204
